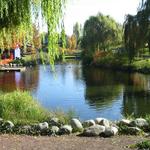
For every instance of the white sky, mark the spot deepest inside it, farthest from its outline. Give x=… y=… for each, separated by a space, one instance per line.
x=80 y=10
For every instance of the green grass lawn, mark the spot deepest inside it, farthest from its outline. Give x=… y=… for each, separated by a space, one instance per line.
x=141 y=64
x=138 y=64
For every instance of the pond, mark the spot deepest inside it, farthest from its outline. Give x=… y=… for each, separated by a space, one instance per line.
x=90 y=92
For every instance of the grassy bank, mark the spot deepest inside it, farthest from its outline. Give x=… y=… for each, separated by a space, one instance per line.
x=117 y=62
x=21 y=108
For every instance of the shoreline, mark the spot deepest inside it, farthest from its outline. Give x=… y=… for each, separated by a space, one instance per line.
x=127 y=69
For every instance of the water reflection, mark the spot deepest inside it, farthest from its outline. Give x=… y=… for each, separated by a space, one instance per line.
x=136 y=98
x=10 y=81
x=102 y=87
x=91 y=92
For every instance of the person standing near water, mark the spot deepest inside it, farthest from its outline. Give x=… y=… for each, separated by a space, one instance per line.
x=17 y=53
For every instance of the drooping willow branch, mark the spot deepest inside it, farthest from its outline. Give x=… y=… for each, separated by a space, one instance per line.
x=16 y=19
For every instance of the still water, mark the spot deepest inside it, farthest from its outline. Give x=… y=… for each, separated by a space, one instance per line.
x=90 y=92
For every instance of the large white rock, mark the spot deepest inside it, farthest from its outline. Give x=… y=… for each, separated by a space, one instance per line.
x=110 y=131
x=43 y=126
x=8 y=124
x=76 y=125
x=98 y=120
x=114 y=124
x=54 y=129
x=88 y=123
x=95 y=130
x=134 y=130
x=125 y=122
x=103 y=122
x=66 y=129
x=54 y=122
x=139 y=122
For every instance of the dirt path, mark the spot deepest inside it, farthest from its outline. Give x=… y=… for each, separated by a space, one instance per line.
x=15 y=142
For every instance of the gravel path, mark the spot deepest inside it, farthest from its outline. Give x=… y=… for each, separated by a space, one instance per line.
x=15 y=142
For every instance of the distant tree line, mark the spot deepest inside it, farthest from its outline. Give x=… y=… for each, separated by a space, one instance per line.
x=71 y=42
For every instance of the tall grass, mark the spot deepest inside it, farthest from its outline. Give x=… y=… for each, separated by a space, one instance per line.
x=64 y=117
x=21 y=108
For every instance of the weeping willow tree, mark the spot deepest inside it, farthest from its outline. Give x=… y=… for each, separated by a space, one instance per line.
x=131 y=32
x=17 y=18
x=137 y=30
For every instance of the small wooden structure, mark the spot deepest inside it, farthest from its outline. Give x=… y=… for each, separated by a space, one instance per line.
x=8 y=68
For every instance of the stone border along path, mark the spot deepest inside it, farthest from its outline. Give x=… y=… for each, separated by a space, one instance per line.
x=90 y=128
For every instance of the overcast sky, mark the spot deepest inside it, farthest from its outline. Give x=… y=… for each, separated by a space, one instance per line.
x=80 y=10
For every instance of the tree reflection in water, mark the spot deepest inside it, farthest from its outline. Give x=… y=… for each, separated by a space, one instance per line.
x=103 y=88
x=136 y=99
x=28 y=80
x=94 y=91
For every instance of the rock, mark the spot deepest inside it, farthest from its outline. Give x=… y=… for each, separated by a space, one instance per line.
x=114 y=130
x=8 y=124
x=35 y=127
x=114 y=124
x=103 y=122
x=95 y=130
x=139 y=122
x=54 y=122
x=134 y=130
x=110 y=131
x=66 y=129
x=146 y=134
x=88 y=123
x=76 y=125
x=54 y=129
x=26 y=129
x=98 y=120
x=43 y=126
x=125 y=122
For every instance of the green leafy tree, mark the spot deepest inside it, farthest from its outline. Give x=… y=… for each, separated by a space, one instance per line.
x=77 y=31
x=101 y=33
x=130 y=33
x=137 y=30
